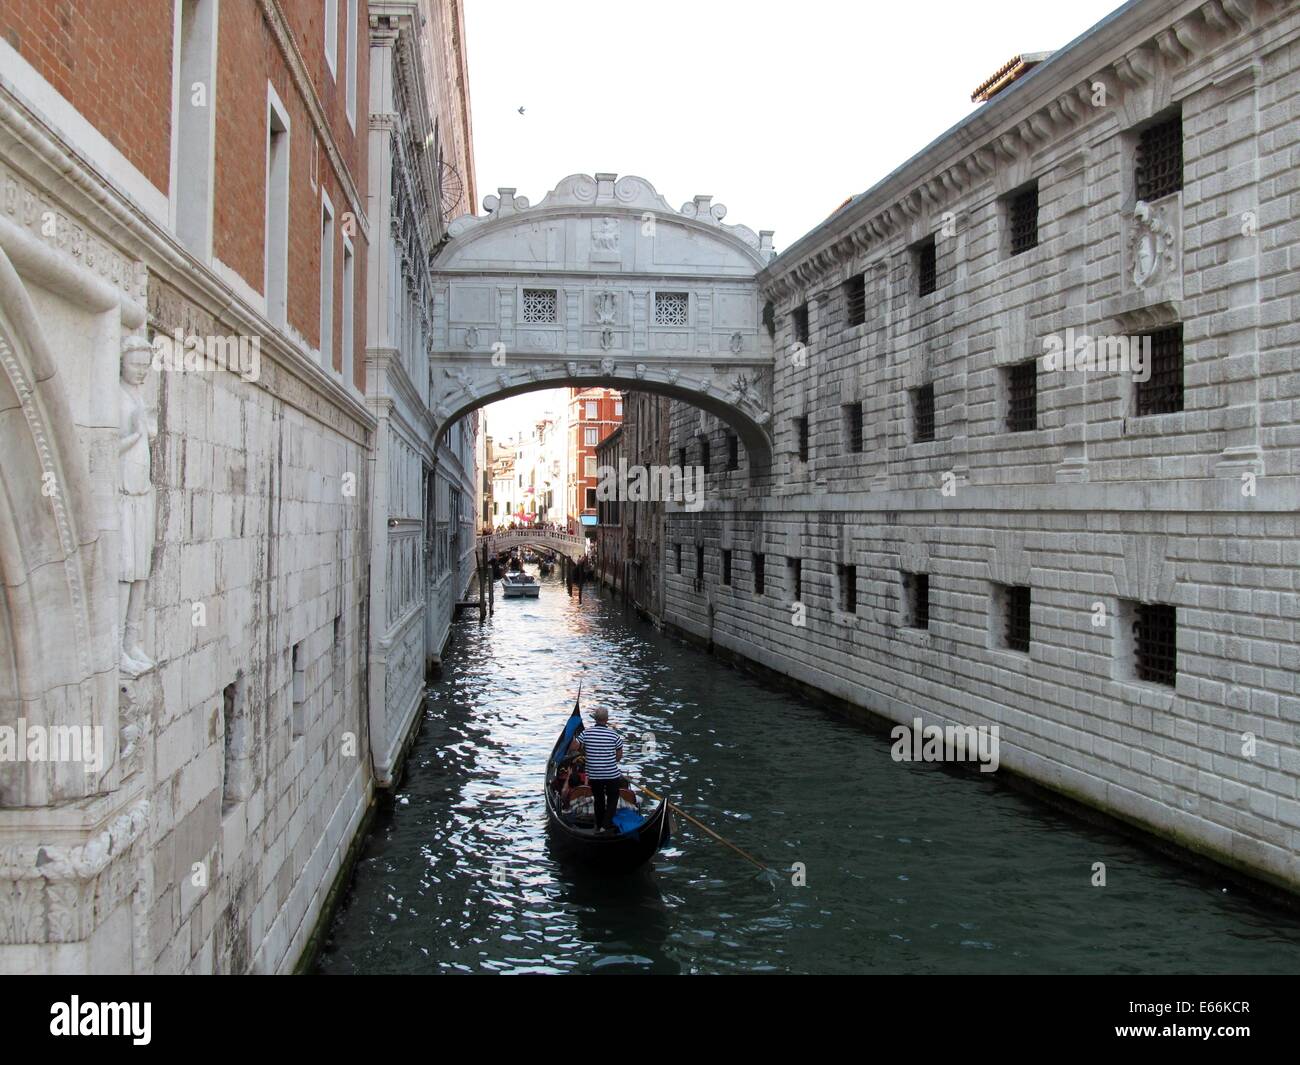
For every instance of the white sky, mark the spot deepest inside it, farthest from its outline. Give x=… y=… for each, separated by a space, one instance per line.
x=779 y=110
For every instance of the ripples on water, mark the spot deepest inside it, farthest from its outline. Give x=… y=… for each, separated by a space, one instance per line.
x=910 y=867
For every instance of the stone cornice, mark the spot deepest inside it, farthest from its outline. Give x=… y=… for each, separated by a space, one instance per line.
x=279 y=25
x=1050 y=101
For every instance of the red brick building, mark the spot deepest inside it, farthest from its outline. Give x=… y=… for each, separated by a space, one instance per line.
x=594 y=413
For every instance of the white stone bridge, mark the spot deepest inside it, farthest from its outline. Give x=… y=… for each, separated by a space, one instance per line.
x=602 y=283
x=574 y=547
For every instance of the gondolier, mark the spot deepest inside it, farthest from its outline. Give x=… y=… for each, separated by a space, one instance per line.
x=601 y=747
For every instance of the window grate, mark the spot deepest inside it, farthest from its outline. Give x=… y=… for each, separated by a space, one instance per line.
x=795 y=568
x=853 y=426
x=1159 y=164
x=917 y=586
x=699 y=564
x=1018 y=618
x=855 y=300
x=679 y=557
x=1156 y=640
x=759 y=573
x=1022 y=404
x=849 y=589
x=671 y=308
x=799 y=318
x=923 y=413
x=733 y=451
x=801 y=438
x=927 y=268
x=1024 y=219
x=539 y=306
x=1162 y=392
x=726 y=567
x=704 y=453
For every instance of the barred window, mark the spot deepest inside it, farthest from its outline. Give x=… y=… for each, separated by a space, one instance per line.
x=916 y=588
x=853 y=426
x=670 y=308
x=794 y=571
x=699 y=564
x=1162 y=391
x=1155 y=640
x=800 y=319
x=759 y=574
x=679 y=557
x=733 y=451
x=923 y=413
x=1159 y=164
x=849 y=589
x=704 y=453
x=1024 y=219
x=855 y=300
x=1017 y=618
x=927 y=267
x=539 y=306
x=726 y=566
x=1022 y=397
x=801 y=438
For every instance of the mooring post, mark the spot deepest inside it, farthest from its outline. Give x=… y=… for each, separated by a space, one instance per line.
x=482 y=584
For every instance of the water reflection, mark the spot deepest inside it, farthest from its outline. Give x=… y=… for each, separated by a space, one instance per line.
x=909 y=868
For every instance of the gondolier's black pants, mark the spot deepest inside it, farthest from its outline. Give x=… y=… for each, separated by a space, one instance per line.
x=604 y=793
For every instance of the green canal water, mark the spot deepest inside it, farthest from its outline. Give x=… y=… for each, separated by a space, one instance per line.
x=910 y=868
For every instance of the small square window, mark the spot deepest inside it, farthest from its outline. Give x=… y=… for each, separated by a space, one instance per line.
x=849 y=589
x=927 y=266
x=923 y=413
x=916 y=590
x=540 y=306
x=1023 y=209
x=1015 y=606
x=800 y=320
x=1022 y=397
x=1162 y=391
x=671 y=308
x=853 y=427
x=1155 y=642
x=855 y=300
x=1158 y=166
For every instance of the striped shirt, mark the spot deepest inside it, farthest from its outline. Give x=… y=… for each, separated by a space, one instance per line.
x=602 y=746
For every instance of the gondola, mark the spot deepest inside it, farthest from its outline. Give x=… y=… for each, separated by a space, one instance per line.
x=630 y=848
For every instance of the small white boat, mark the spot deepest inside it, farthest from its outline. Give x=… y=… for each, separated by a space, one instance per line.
x=520 y=586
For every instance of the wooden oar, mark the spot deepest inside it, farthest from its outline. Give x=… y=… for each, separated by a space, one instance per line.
x=703 y=827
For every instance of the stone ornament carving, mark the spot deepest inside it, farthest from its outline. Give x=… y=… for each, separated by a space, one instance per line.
x=737 y=343
x=604 y=240
x=606 y=307
x=606 y=339
x=136 y=500
x=1151 y=241
x=471 y=337
x=582 y=190
x=607 y=366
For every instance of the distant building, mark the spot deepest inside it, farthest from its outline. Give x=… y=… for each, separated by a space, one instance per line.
x=594 y=413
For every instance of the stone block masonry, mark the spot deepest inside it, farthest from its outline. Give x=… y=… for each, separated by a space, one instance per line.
x=1155 y=526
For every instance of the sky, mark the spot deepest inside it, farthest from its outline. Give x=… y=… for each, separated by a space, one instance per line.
x=781 y=111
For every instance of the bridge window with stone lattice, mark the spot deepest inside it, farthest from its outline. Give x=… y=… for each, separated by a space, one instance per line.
x=671 y=308
x=540 y=306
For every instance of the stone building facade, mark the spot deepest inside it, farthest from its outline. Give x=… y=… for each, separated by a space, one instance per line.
x=185 y=519
x=962 y=525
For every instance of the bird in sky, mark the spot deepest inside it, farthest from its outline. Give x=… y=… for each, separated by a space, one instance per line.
x=521 y=110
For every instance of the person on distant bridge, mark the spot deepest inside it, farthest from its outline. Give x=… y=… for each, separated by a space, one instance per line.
x=601 y=747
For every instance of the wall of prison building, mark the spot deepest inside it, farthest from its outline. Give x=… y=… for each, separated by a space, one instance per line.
x=1035 y=427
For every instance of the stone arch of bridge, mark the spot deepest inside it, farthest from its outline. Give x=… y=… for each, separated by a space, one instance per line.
x=602 y=283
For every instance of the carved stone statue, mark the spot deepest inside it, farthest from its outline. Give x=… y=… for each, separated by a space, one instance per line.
x=136 y=429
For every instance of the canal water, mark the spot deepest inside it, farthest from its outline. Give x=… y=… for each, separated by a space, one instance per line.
x=910 y=868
